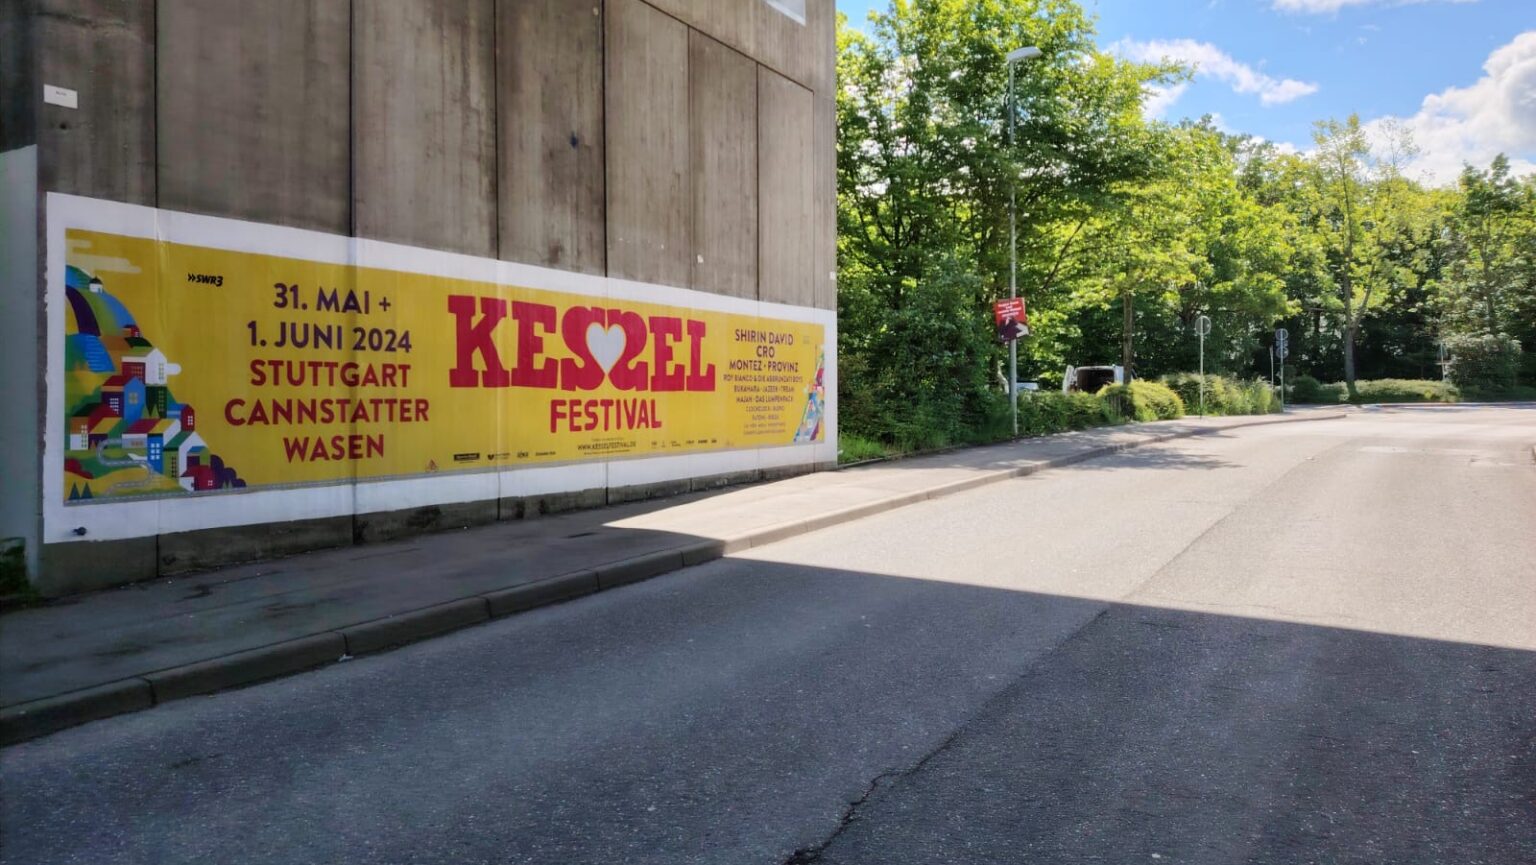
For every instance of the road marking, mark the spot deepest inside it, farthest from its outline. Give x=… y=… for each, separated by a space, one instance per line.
x=1441 y=452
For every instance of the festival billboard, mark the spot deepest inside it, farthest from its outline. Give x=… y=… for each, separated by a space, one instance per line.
x=201 y=356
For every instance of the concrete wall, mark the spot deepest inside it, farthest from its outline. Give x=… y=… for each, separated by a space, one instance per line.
x=18 y=67
x=787 y=201
x=679 y=142
x=611 y=137
x=650 y=193
x=551 y=185
x=722 y=107
x=105 y=51
x=253 y=110
x=424 y=123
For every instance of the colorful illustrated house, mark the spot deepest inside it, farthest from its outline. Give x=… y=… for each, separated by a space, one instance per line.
x=155 y=438
x=80 y=428
x=86 y=428
x=157 y=400
x=184 y=452
x=105 y=428
x=136 y=436
x=152 y=366
x=125 y=395
x=184 y=413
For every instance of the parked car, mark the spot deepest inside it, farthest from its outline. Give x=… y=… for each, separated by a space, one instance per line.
x=1091 y=379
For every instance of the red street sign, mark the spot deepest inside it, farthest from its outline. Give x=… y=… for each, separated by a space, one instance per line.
x=1012 y=321
x=1011 y=308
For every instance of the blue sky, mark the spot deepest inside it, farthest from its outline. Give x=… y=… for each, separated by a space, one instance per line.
x=1460 y=75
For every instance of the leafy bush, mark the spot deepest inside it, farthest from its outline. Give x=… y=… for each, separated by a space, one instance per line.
x=1309 y=390
x=1224 y=396
x=1405 y=390
x=1306 y=389
x=917 y=375
x=1487 y=361
x=1144 y=400
x=1046 y=412
x=1520 y=392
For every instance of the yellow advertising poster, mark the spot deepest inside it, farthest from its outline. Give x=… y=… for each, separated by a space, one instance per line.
x=191 y=369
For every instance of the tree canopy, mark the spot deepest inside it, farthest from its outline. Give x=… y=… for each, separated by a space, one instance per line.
x=1128 y=229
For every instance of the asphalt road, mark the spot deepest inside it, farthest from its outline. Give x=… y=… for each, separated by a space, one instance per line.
x=1297 y=643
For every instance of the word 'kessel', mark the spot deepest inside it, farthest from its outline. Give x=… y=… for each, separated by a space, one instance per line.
x=607 y=344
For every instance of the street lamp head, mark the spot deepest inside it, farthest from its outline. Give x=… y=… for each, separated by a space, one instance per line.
x=1028 y=52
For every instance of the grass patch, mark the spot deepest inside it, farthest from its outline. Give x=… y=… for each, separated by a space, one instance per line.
x=853 y=449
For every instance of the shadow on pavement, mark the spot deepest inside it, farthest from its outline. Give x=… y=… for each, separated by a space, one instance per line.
x=111 y=635
x=745 y=710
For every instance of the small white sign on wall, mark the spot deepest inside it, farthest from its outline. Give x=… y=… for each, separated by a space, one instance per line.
x=61 y=96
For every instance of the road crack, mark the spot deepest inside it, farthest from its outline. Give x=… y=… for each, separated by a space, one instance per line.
x=811 y=854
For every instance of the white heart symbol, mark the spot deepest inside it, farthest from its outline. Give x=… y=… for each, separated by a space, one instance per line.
x=605 y=344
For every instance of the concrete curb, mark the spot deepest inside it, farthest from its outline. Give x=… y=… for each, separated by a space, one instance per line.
x=36 y=718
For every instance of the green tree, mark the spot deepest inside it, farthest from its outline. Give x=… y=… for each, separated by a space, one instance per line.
x=924 y=172
x=1358 y=213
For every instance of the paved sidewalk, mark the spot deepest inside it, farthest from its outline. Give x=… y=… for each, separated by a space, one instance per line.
x=127 y=649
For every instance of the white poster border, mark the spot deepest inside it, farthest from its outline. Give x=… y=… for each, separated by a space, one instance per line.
x=134 y=518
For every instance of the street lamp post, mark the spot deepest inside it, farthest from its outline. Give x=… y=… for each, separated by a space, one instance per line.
x=1018 y=55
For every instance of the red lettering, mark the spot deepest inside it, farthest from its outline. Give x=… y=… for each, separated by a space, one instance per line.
x=530 y=373
x=581 y=372
x=698 y=380
x=666 y=329
x=475 y=337
x=628 y=374
x=229 y=412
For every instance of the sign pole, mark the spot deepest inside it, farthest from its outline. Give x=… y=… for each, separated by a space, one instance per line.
x=1013 y=382
x=1202 y=327
x=1013 y=262
x=1281 y=347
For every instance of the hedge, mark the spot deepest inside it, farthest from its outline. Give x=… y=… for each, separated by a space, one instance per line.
x=1143 y=400
x=1224 y=396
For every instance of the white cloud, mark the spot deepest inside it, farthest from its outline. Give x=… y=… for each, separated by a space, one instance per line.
x=1323 y=7
x=1496 y=114
x=1211 y=61
x=1160 y=99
